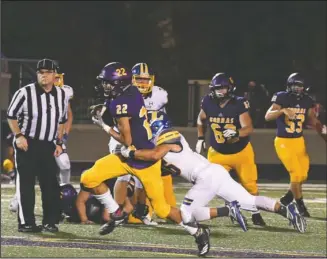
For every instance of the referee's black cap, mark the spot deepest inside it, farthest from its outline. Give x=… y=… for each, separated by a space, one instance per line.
x=46 y=63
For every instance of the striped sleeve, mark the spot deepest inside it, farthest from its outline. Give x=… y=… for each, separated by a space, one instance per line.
x=16 y=105
x=64 y=106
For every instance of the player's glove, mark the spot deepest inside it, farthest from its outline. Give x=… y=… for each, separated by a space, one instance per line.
x=95 y=110
x=200 y=145
x=97 y=120
x=230 y=133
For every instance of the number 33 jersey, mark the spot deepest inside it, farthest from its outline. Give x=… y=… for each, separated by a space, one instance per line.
x=222 y=118
x=292 y=128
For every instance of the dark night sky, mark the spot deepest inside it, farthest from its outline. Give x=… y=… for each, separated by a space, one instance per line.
x=261 y=40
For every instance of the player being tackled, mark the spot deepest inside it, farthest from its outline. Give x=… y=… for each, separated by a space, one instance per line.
x=209 y=180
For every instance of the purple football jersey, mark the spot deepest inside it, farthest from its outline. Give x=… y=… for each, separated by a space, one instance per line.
x=292 y=128
x=131 y=104
x=220 y=119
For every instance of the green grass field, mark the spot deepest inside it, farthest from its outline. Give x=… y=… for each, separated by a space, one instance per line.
x=278 y=239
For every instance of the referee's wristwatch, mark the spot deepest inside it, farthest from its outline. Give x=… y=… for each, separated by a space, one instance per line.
x=59 y=142
x=19 y=135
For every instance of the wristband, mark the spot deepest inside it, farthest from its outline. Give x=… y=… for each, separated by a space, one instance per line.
x=18 y=135
x=132 y=154
x=201 y=138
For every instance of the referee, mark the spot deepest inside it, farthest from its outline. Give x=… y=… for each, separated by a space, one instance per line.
x=36 y=116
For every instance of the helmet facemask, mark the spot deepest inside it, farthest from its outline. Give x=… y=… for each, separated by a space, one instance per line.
x=144 y=83
x=296 y=89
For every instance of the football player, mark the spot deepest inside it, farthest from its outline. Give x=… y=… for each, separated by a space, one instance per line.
x=82 y=207
x=63 y=160
x=230 y=125
x=155 y=99
x=208 y=179
x=291 y=109
x=130 y=116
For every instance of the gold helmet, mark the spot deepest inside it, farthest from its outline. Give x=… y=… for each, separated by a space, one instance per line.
x=142 y=78
x=59 y=79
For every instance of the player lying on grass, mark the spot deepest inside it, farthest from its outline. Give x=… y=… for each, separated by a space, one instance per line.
x=209 y=179
x=84 y=208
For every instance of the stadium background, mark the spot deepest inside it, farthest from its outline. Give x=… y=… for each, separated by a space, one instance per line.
x=183 y=43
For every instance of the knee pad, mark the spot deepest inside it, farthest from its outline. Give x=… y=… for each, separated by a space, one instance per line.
x=63 y=161
x=88 y=180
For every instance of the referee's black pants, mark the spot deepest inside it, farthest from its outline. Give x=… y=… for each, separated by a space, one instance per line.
x=38 y=161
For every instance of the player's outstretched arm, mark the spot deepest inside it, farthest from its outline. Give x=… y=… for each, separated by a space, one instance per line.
x=81 y=200
x=150 y=154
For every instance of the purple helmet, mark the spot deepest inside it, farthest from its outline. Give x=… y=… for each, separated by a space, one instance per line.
x=295 y=84
x=68 y=196
x=221 y=81
x=115 y=79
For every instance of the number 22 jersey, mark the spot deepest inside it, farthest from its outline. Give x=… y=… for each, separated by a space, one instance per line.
x=131 y=104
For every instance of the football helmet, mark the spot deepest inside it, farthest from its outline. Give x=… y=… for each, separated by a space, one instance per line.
x=59 y=77
x=115 y=78
x=218 y=84
x=158 y=121
x=68 y=196
x=143 y=78
x=295 y=84
x=162 y=130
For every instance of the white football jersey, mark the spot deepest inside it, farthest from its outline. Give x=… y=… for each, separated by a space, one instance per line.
x=157 y=100
x=68 y=91
x=190 y=163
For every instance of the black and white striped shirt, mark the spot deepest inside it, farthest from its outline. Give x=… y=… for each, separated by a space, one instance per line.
x=39 y=113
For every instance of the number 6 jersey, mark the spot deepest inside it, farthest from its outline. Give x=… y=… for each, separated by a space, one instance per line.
x=222 y=118
x=300 y=105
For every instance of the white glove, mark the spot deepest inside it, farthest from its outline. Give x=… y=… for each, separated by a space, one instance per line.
x=229 y=133
x=200 y=145
x=124 y=151
x=97 y=120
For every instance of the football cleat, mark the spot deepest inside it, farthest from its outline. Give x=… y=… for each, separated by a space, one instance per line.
x=295 y=218
x=236 y=215
x=258 y=220
x=303 y=211
x=117 y=218
x=203 y=241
